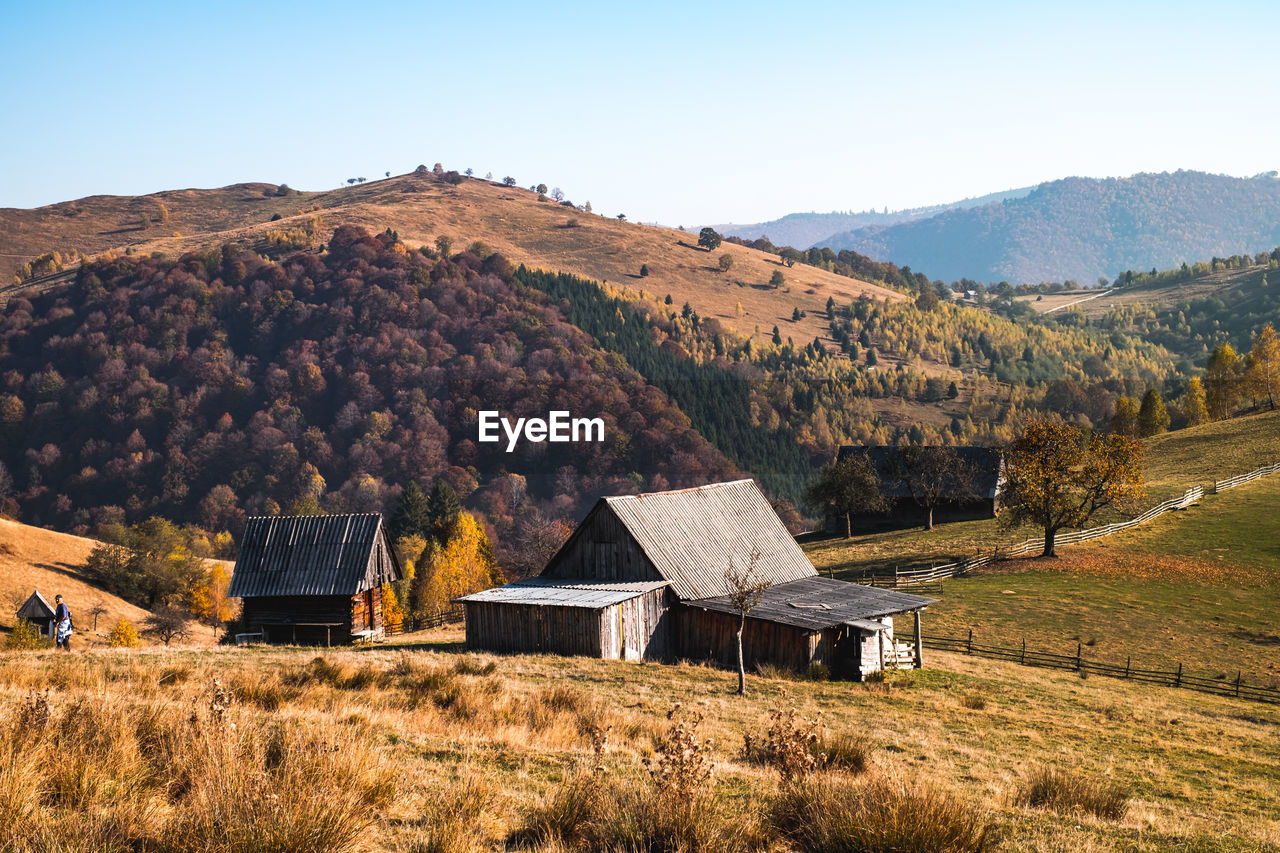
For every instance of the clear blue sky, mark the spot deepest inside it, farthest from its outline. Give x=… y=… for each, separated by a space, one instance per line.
x=681 y=113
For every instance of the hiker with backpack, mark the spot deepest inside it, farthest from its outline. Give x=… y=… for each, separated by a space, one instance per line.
x=62 y=619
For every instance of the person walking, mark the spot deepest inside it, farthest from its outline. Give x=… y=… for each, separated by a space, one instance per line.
x=62 y=618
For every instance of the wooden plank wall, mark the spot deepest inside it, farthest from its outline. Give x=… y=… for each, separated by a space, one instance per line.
x=604 y=550
x=510 y=627
x=710 y=635
x=645 y=626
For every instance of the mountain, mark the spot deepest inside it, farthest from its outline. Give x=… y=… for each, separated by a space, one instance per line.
x=422 y=207
x=802 y=230
x=1083 y=228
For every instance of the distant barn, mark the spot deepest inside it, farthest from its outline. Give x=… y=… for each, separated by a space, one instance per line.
x=39 y=613
x=644 y=577
x=986 y=464
x=314 y=579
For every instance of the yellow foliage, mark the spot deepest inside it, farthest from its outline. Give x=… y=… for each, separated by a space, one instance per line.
x=463 y=565
x=124 y=635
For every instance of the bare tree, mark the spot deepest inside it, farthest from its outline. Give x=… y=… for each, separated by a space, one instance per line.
x=932 y=475
x=166 y=622
x=558 y=195
x=745 y=593
x=99 y=608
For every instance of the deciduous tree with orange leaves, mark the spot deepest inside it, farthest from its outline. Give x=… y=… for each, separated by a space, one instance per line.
x=1057 y=476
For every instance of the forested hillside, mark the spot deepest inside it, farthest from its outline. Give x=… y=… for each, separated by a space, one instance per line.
x=1082 y=228
x=225 y=385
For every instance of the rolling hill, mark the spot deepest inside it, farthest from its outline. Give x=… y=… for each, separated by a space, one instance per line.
x=420 y=207
x=802 y=230
x=1083 y=228
x=32 y=558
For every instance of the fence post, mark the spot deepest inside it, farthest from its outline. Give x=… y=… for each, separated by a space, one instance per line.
x=1177 y=682
x=1127 y=663
x=1237 y=684
x=970 y=651
x=1023 y=660
x=1079 y=649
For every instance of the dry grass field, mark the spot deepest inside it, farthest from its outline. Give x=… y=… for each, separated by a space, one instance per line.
x=1093 y=304
x=423 y=747
x=544 y=234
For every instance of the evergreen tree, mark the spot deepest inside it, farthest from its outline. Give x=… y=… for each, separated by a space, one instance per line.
x=412 y=516
x=1153 y=418
x=442 y=509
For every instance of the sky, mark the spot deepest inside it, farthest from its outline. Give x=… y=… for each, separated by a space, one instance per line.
x=679 y=113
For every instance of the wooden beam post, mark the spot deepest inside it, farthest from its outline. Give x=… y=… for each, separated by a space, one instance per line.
x=880 y=643
x=920 y=644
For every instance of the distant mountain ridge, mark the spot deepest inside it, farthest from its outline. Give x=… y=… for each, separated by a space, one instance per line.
x=802 y=230
x=1082 y=228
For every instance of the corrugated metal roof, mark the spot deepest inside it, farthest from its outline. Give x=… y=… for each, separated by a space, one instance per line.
x=547 y=591
x=816 y=603
x=36 y=607
x=693 y=536
x=311 y=555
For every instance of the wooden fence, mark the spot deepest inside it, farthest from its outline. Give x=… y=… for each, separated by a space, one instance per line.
x=446 y=617
x=1219 y=686
x=1232 y=482
x=936 y=574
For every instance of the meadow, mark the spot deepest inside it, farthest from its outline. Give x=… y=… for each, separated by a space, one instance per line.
x=424 y=747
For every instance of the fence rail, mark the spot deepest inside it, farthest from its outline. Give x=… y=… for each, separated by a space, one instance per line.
x=1239 y=479
x=1223 y=686
x=937 y=574
x=445 y=617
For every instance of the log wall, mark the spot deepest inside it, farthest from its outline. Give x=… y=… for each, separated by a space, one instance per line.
x=604 y=550
x=711 y=635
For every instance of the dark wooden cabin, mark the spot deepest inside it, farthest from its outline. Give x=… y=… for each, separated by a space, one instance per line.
x=38 y=612
x=314 y=579
x=985 y=463
x=644 y=577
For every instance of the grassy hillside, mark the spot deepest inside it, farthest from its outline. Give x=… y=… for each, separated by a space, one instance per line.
x=1199 y=586
x=32 y=558
x=420 y=208
x=424 y=748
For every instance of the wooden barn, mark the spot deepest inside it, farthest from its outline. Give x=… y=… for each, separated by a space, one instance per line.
x=38 y=612
x=986 y=465
x=314 y=579
x=644 y=577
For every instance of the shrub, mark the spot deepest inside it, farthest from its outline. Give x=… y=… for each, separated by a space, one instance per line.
x=845 y=752
x=25 y=637
x=1066 y=792
x=826 y=814
x=124 y=635
x=790 y=746
x=974 y=702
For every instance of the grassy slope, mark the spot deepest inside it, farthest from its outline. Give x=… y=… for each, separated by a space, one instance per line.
x=1200 y=768
x=1091 y=304
x=35 y=558
x=420 y=209
x=1199 y=587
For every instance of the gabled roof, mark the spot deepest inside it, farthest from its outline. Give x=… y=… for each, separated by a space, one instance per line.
x=313 y=555
x=36 y=607
x=693 y=536
x=568 y=593
x=818 y=602
x=986 y=462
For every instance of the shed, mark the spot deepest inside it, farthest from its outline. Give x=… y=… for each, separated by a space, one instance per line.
x=38 y=612
x=986 y=463
x=314 y=579
x=670 y=552
x=604 y=619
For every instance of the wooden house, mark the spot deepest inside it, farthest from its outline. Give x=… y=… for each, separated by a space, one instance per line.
x=985 y=464
x=645 y=577
x=314 y=579
x=38 y=612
